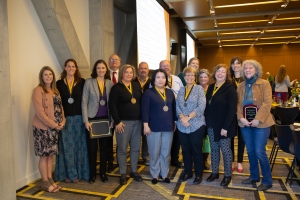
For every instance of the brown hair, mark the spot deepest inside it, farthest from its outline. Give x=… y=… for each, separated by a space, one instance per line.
x=123 y=69
x=228 y=74
x=281 y=74
x=194 y=58
x=232 y=62
x=189 y=70
x=77 y=75
x=42 y=84
x=94 y=71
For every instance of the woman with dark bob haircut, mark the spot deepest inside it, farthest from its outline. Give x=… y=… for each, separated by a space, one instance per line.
x=159 y=116
x=72 y=162
x=95 y=106
x=220 y=112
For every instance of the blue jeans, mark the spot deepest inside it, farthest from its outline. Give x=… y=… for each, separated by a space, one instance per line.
x=256 y=141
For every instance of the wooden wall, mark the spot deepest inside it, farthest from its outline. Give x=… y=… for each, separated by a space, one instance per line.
x=270 y=57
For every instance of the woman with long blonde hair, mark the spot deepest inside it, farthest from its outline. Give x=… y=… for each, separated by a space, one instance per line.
x=282 y=83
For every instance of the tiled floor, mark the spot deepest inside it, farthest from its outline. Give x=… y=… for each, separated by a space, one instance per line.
x=174 y=190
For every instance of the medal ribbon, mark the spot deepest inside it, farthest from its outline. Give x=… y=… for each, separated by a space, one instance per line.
x=216 y=89
x=237 y=82
x=143 y=84
x=101 y=87
x=129 y=89
x=70 y=86
x=170 y=82
x=163 y=96
x=187 y=92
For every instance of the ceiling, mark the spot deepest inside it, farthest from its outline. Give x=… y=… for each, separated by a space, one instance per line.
x=239 y=22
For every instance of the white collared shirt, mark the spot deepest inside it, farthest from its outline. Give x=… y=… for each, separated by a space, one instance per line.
x=176 y=85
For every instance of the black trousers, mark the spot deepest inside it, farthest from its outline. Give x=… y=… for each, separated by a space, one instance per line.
x=241 y=146
x=92 y=145
x=192 y=150
x=110 y=148
x=175 y=148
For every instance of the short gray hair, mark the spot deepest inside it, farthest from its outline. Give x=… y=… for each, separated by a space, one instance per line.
x=255 y=64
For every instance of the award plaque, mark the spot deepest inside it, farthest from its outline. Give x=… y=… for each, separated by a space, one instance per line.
x=249 y=112
x=100 y=128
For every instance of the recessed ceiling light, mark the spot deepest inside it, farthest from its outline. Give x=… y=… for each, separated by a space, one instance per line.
x=219 y=41
x=220 y=46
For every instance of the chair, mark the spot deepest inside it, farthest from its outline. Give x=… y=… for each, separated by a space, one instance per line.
x=285 y=141
x=287 y=115
x=275 y=146
x=296 y=137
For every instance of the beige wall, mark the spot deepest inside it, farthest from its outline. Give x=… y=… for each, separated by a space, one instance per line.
x=270 y=56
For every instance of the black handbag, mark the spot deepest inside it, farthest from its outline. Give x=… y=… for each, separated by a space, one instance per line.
x=100 y=128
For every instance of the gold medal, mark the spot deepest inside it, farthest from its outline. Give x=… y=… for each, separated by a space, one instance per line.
x=165 y=108
x=133 y=100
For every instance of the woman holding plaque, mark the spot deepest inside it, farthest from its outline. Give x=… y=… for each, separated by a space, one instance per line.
x=203 y=80
x=124 y=106
x=159 y=116
x=47 y=122
x=255 y=95
x=72 y=162
x=190 y=106
x=220 y=112
x=235 y=69
x=95 y=107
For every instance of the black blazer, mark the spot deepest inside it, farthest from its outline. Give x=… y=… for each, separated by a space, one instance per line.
x=221 y=112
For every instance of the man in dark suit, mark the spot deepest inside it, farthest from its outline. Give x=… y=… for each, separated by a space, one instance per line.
x=114 y=63
x=144 y=82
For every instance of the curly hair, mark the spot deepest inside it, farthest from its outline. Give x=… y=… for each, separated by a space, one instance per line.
x=255 y=64
x=281 y=74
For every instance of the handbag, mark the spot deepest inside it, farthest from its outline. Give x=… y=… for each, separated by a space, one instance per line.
x=206 y=145
x=100 y=128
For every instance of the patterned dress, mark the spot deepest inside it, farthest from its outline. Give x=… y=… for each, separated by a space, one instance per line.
x=45 y=141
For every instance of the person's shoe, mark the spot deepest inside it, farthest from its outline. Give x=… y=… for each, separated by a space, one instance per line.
x=92 y=180
x=183 y=176
x=177 y=164
x=263 y=187
x=166 y=180
x=146 y=161
x=206 y=165
x=212 y=177
x=136 y=176
x=154 y=181
x=226 y=180
x=197 y=180
x=240 y=168
x=123 y=179
x=110 y=167
x=104 y=178
x=249 y=181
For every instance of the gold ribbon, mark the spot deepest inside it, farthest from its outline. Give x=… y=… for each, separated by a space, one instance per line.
x=70 y=86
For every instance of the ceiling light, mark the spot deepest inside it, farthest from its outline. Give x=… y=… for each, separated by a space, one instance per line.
x=219 y=41
x=270 y=22
x=252 y=44
x=297 y=36
x=288 y=29
x=242 y=32
x=248 y=4
x=287 y=42
x=288 y=18
x=269 y=38
x=242 y=22
x=256 y=39
x=212 y=12
x=283 y=5
x=220 y=46
x=216 y=25
x=262 y=32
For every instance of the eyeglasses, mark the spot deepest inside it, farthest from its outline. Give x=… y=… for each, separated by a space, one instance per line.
x=189 y=75
x=221 y=72
x=114 y=59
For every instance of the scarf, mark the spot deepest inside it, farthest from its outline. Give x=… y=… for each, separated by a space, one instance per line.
x=248 y=98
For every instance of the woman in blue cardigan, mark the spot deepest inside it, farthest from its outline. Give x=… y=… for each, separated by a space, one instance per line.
x=159 y=116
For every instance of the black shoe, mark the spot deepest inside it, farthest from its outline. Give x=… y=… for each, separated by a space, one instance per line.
x=154 y=181
x=110 y=167
x=249 y=181
x=104 y=178
x=197 y=180
x=226 y=180
x=136 y=176
x=177 y=164
x=206 y=165
x=146 y=161
x=263 y=187
x=123 y=179
x=92 y=180
x=183 y=176
x=212 y=177
x=166 y=180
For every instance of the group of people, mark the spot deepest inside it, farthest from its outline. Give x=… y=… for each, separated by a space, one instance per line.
x=166 y=111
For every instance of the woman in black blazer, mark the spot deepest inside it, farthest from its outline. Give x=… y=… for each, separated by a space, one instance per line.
x=95 y=106
x=221 y=101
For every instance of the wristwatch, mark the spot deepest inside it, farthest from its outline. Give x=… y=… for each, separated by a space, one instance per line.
x=189 y=117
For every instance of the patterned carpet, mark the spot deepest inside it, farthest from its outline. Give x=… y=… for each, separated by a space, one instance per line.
x=176 y=189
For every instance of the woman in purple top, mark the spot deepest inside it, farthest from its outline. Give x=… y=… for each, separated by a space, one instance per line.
x=94 y=106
